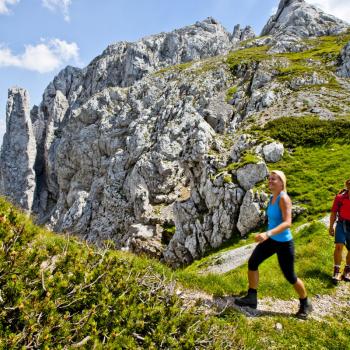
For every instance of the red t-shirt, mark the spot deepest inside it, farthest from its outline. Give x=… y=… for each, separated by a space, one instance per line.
x=341 y=205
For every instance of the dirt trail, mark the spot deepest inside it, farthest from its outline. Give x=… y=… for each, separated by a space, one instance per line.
x=323 y=305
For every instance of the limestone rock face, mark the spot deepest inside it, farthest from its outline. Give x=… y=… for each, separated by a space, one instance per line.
x=242 y=34
x=122 y=154
x=120 y=65
x=18 y=152
x=344 y=70
x=296 y=19
x=252 y=212
x=207 y=219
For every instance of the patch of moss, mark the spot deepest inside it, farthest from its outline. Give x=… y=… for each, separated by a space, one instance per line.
x=230 y=92
x=168 y=233
x=246 y=57
x=228 y=178
x=175 y=69
x=248 y=157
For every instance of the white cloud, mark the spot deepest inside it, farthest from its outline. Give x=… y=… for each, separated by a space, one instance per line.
x=338 y=8
x=58 y=5
x=4 y=5
x=43 y=58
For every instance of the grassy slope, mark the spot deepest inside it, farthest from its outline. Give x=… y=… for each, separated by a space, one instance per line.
x=57 y=292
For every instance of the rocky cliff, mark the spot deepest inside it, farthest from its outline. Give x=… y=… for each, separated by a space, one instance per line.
x=145 y=146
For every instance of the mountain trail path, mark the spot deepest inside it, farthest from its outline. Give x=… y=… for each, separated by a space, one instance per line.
x=323 y=305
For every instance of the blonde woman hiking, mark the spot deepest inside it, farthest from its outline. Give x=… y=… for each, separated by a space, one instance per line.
x=276 y=240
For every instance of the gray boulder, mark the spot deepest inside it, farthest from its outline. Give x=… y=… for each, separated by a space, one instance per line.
x=251 y=174
x=252 y=211
x=273 y=152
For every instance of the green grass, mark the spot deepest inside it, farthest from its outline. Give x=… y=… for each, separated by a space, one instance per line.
x=330 y=334
x=246 y=57
x=325 y=49
x=319 y=58
x=103 y=298
x=319 y=162
x=230 y=92
x=316 y=174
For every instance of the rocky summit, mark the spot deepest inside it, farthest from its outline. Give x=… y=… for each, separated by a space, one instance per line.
x=149 y=145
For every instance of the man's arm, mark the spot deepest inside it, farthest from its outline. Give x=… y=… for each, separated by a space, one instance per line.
x=331 y=223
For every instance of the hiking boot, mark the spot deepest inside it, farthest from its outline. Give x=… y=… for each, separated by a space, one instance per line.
x=346 y=273
x=336 y=275
x=305 y=309
x=250 y=300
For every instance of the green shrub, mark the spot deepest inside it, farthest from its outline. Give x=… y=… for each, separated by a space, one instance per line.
x=57 y=293
x=307 y=131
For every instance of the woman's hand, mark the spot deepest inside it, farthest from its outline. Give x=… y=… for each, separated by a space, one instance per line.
x=261 y=237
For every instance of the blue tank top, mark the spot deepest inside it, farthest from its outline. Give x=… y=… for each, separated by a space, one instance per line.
x=274 y=216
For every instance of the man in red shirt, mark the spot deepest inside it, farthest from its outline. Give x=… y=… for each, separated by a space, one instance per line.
x=341 y=213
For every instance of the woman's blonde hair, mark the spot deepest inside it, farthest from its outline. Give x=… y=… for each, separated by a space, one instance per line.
x=283 y=178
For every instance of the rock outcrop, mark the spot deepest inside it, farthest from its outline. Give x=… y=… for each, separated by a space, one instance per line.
x=295 y=20
x=242 y=34
x=120 y=65
x=18 y=153
x=344 y=69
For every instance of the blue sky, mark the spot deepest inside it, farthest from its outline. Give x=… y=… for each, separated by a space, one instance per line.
x=40 y=37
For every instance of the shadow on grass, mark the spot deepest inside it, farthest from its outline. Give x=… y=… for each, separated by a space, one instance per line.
x=323 y=277
x=223 y=304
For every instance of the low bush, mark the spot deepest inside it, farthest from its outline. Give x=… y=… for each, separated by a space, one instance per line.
x=57 y=292
x=307 y=131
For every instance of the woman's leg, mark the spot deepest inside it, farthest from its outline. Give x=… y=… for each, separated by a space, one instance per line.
x=253 y=279
x=286 y=257
x=261 y=252
x=300 y=288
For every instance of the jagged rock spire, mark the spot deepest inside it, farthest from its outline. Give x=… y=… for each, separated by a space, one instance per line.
x=242 y=34
x=296 y=17
x=17 y=177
